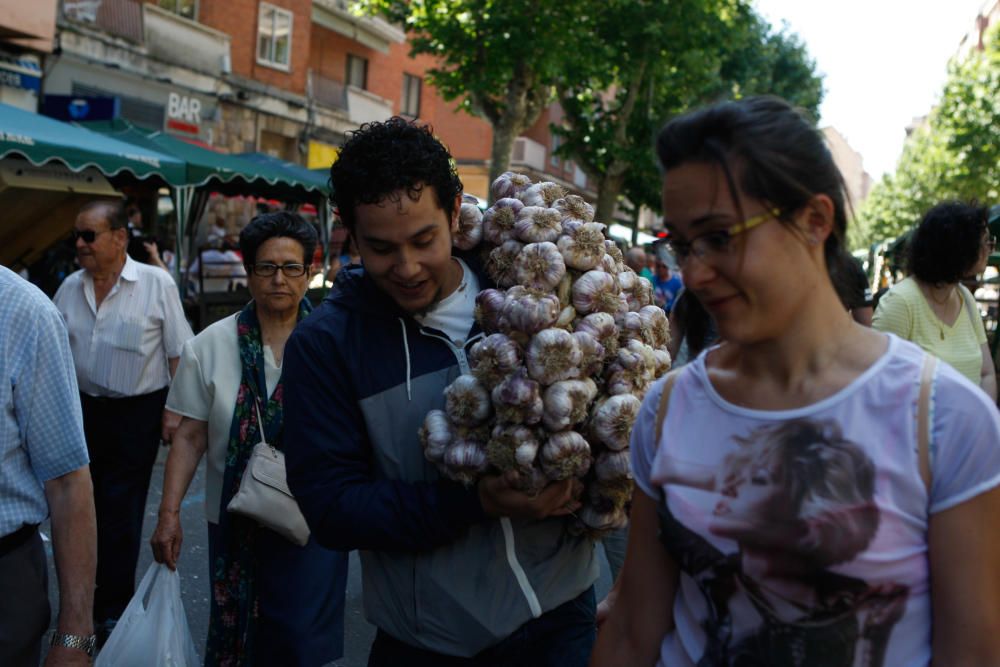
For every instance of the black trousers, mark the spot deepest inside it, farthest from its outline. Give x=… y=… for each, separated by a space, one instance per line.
x=123 y=435
x=24 y=603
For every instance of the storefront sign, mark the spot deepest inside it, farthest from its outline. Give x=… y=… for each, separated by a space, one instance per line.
x=80 y=107
x=183 y=114
x=21 y=73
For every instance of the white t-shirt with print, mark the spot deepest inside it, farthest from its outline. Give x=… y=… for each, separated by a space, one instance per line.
x=801 y=535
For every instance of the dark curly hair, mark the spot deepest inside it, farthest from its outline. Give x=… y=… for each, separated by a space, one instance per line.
x=267 y=226
x=946 y=244
x=380 y=159
x=775 y=151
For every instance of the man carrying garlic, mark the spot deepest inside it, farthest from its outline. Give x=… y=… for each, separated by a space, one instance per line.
x=453 y=575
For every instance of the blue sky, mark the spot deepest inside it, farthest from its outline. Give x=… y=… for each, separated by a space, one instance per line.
x=884 y=61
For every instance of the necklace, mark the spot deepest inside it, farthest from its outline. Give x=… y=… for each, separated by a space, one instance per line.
x=929 y=291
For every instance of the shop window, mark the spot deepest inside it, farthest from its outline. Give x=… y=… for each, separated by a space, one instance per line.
x=274 y=36
x=186 y=8
x=357 y=71
x=411 y=96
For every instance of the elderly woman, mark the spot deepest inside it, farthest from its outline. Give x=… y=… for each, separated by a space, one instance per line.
x=932 y=308
x=273 y=602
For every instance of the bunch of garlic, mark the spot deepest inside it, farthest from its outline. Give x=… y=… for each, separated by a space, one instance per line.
x=571 y=343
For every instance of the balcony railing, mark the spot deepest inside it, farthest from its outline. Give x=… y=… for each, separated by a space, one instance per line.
x=328 y=92
x=122 y=18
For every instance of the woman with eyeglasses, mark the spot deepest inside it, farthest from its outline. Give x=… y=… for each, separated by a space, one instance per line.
x=273 y=602
x=932 y=307
x=809 y=491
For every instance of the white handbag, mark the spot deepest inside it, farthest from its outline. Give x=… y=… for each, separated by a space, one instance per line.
x=264 y=495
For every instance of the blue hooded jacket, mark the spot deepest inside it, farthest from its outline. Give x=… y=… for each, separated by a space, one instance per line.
x=360 y=376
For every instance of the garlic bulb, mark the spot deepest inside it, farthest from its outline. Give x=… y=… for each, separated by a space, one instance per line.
x=565 y=290
x=596 y=520
x=501 y=263
x=574 y=207
x=565 y=454
x=489 y=302
x=632 y=370
x=631 y=326
x=663 y=362
x=509 y=184
x=517 y=399
x=612 y=420
x=602 y=327
x=609 y=265
x=464 y=461
x=655 y=326
x=612 y=465
x=539 y=266
x=542 y=194
x=535 y=224
x=553 y=355
x=591 y=353
x=566 y=403
x=498 y=220
x=494 y=358
x=566 y=318
x=596 y=291
x=610 y=493
x=470 y=227
x=583 y=248
x=528 y=311
x=611 y=248
x=641 y=295
x=512 y=446
x=435 y=435
x=466 y=401
x=569 y=226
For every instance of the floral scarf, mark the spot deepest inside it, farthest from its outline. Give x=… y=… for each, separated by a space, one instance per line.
x=234 y=609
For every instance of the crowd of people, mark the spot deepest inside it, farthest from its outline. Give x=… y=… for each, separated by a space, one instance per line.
x=809 y=489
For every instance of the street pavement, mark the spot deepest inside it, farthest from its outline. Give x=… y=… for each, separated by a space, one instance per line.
x=193 y=569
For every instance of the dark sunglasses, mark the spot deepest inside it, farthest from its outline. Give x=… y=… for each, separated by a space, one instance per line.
x=88 y=235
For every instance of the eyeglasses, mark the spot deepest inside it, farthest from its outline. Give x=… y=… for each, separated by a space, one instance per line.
x=268 y=269
x=717 y=242
x=88 y=235
x=991 y=244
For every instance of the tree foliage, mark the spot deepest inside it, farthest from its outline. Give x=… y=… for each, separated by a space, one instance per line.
x=500 y=59
x=954 y=155
x=661 y=59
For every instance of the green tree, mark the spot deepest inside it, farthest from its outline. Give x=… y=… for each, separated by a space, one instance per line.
x=500 y=59
x=954 y=155
x=661 y=59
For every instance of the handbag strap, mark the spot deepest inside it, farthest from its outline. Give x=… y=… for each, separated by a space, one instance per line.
x=661 y=409
x=260 y=423
x=970 y=307
x=923 y=418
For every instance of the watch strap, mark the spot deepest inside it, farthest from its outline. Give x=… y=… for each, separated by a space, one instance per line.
x=87 y=644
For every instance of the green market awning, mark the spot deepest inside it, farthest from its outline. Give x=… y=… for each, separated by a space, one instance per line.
x=222 y=172
x=41 y=140
x=318 y=179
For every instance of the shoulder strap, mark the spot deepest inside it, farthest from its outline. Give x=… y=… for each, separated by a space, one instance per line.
x=923 y=418
x=970 y=306
x=661 y=410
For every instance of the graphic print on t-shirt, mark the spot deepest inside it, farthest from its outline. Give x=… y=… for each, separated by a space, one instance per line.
x=793 y=500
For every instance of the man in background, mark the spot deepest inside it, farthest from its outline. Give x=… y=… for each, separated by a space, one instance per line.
x=44 y=473
x=126 y=328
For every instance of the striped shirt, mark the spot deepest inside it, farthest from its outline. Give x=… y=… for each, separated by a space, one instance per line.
x=41 y=427
x=123 y=347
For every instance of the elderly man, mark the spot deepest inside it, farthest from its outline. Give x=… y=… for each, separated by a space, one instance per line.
x=126 y=328
x=44 y=472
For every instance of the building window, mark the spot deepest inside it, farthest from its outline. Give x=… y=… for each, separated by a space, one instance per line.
x=274 y=36
x=553 y=158
x=186 y=8
x=411 y=96
x=357 y=72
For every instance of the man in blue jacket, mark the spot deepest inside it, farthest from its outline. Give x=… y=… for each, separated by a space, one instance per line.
x=484 y=575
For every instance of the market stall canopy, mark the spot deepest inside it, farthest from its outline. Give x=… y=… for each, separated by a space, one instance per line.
x=319 y=179
x=221 y=172
x=41 y=140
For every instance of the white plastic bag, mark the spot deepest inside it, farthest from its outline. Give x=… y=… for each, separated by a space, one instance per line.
x=153 y=631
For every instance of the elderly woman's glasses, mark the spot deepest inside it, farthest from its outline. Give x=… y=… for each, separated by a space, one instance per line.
x=717 y=242
x=268 y=269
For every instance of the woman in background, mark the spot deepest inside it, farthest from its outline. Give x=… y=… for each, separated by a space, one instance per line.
x=931 y=307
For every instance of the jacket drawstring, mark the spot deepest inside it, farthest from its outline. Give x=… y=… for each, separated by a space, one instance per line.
x=406 y=348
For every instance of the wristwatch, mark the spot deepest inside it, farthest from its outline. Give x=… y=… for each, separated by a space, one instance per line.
x=86 y=644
